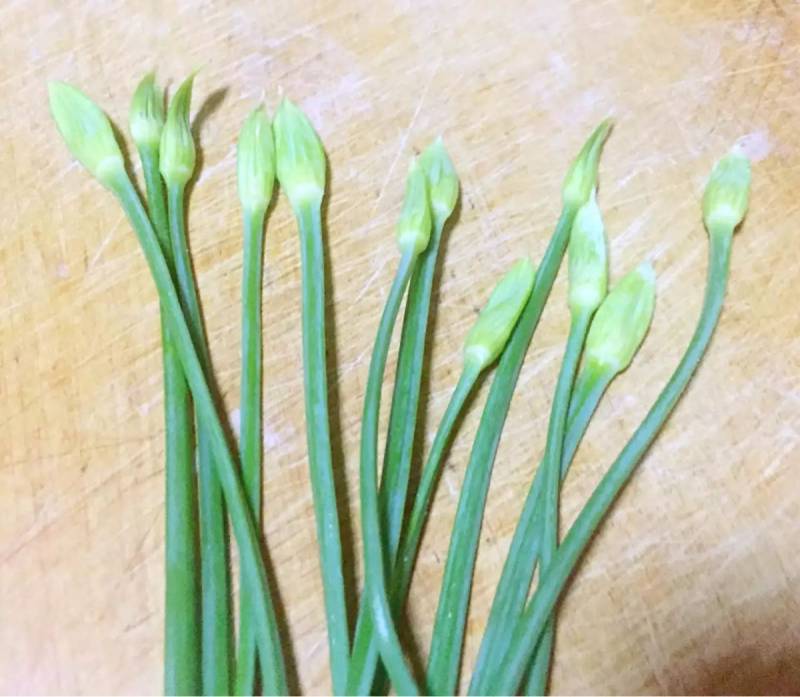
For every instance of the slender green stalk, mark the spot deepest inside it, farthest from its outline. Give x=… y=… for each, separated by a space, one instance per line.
x=409 y=547
x=399 y=445
x=553 y=456
x=364 y=661
x=244 y=528
x=448 y=634
x=216 y=600
x=250 y=438
x=515 y=580
x=319 y=441
x=182 y=673
x=374 y=572
x=510 y=670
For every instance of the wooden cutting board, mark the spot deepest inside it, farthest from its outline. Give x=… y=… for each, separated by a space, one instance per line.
x=691 y=585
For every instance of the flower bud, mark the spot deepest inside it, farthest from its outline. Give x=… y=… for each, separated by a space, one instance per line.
x=442 y=179
x=414 y=226
x=588 y=262
x=622 y=321
x=727 y=193
x=177 y=152
x=146 y=117
x=581 y=179
x=299 y=156
x=255 y=162
x=497 y=319
x=87 y=132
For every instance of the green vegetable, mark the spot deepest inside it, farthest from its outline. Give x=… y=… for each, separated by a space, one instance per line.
x=177 y=161
x=300 y=163
x=182 y=667
x=256 y=179
x=448 y=634
x=623 y=306
x=443 y=193
x=588 y=280
x=730 y=182
x=69 y=106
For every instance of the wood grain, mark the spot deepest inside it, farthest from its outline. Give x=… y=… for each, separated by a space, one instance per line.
x=690 y=587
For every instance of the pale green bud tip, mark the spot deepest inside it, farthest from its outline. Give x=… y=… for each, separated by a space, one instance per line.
x=494 y=325
x=146 y=116
x=300 y=157
x=177 y=153
x=622 y=320
x=255 y=162
x=588 y=259
x=581 y=178
x=728 y=192
x=414 y=226
x=442 y=178
x=86 y=131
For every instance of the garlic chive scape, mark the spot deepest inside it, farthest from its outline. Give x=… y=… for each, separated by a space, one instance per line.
x=414 y=226
x=177 y=149
x=177 y=159
x=182 y=627
x=146 y=117
x=724 y=205
x=590 y=385
x=301 y=169
x=87 y=133
x=443 y=185
x=622 y=321
x=413 y=235
x=483 y=344
x=444 y=659
x=300 y=158
x=494 y=325
x=588 y=279
x=255 y=163
x=70 y=106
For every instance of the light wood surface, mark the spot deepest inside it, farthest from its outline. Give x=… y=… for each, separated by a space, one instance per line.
x=691 y=585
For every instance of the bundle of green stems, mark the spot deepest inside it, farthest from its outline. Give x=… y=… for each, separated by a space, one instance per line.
x=213 y=484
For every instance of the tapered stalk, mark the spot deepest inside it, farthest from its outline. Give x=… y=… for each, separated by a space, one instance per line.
x=553 y=456
x=216 y=598
x=365 y=648
x=510 y=671
x=399 y=444
x=374 y=571
x=244 y=528
x=182 y=671
x=319 y=441
x=515 y=580
x=250 y=439
x=444 y=660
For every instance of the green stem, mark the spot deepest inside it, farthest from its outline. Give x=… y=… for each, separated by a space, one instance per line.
x=319 y=441
x=216 y=603
x=551 y=464
x=182 y=585
x=529 y=628
x=364 y=661
x=523 y=554
x=444 y=660
x=250 y=440
x=244 y=527
x=399 y=445
x=374 y=572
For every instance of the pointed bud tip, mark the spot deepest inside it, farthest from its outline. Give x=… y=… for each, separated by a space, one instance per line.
x=146 y=116
x=581 y=178
x=177 y=153
x=255 y=162
x=727 y=193
x=86 y=131
x=499 y=316
x=300 y=157
x=442 y=179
